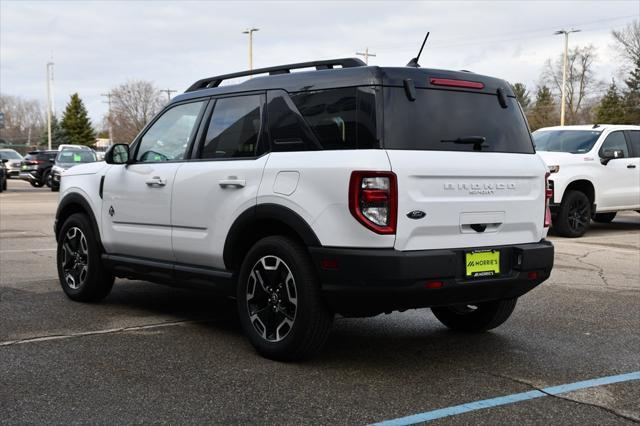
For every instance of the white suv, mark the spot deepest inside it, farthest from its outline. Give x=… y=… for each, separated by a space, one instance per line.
x=345 y=189
x=595 y=173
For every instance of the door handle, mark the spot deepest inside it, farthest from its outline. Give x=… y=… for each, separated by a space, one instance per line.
x=156 y=181
x=631 y=166
x=232 y=182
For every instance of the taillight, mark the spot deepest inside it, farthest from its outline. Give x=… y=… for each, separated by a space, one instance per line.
x=373 y=200
x=548 y=194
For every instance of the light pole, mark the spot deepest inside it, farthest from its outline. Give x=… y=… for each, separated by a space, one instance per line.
x=49 y=101
x=564 y=70
x=250 y=31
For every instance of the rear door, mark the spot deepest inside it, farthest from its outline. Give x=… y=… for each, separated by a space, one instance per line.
x=468 y=163
x=136 y=208
x=213 y=189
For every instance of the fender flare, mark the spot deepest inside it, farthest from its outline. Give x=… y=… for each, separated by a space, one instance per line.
x=68 y=202
x=260 y=212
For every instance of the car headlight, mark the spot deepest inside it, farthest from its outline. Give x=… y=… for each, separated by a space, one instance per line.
x=554 y=169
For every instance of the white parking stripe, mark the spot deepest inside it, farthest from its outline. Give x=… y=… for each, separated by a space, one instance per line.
x=26 y=250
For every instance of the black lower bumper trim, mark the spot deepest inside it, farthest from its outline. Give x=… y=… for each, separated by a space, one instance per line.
x=370 y=281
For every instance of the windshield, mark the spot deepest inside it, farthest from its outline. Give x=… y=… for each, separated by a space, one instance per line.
x=75 y=156
x=10 y=155
x=572 y=141
x=448 y=120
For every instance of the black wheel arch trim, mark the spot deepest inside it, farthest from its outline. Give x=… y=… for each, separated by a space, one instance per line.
x=268 y=211
x=68 y=202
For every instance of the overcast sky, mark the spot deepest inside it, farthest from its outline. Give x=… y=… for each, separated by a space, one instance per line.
x=97 y=45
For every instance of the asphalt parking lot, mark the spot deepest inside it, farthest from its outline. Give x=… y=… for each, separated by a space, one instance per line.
x=150 y=353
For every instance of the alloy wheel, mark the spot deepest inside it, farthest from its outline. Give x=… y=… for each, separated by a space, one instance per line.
x=272 y=298
x=75 y=258
x=578 y=216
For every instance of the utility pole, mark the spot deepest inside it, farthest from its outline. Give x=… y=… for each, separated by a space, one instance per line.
x=49 y=100
x=110 y=119
x=564 y=70
x=250 y=31
x=168 y=92
x=366 y=55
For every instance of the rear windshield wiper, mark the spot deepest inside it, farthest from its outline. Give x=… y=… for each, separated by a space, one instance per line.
x=476 y=141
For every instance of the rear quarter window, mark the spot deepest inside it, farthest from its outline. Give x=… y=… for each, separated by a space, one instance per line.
x=438 y=117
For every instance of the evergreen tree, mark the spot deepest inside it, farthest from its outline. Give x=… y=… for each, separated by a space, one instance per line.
x=76 y=123
x=58 y=135
x=632 y=96
x=543 y=112
x=611 y=109
x=522 y=95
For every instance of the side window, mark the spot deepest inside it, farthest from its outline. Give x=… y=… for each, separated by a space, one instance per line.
x=634 y=137
x=615 y=141
x=234 y=128
x=340 y=118
x=168 y=138
x=288 y=130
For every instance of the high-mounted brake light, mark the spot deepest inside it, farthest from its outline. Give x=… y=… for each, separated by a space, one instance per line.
x=456 y=83
x=373 y=200
x=548 y=194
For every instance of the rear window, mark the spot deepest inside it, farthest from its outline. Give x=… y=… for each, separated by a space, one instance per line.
x=443 y=120
x=75 y=156
x=571 y=141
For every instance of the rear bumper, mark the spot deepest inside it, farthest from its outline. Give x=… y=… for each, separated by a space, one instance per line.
x=29 y=176
x=363 y=282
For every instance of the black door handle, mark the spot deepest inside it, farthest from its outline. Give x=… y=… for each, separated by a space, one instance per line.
x=631 y=166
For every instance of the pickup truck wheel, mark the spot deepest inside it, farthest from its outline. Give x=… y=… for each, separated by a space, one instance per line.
x=279 y=301
x=47 y=178
x=80 y=270
x=574 y=215
x=604 y=217
x=475 y=318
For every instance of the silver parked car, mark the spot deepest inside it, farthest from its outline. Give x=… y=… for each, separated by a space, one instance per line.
x=14 y=160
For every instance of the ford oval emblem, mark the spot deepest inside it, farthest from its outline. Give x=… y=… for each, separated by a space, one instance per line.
x=416 y=214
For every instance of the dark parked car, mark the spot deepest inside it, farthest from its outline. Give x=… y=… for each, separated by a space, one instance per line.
x=36 y=167
x=66 y=159
x=3 y=174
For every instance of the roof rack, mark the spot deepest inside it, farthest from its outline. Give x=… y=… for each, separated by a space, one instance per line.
x=206 y=83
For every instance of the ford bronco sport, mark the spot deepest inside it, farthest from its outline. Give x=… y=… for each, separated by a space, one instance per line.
x=345 y=189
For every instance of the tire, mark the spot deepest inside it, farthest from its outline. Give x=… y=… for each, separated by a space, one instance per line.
x=82 y=275
x=35 y=184
x=277 y=328
x=3 y=186
x=604 y=217
x=475 y=318
x=574 y=215
x=55 y=188
x=46 y=179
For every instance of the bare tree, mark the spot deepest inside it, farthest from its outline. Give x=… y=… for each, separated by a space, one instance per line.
x=24 y=119
x=581 y=82
x=628 y=42
x=134 y=103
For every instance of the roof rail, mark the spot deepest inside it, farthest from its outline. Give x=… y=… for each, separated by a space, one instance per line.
x=206 y=83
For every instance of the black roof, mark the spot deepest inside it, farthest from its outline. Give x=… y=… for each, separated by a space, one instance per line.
x=356 y=73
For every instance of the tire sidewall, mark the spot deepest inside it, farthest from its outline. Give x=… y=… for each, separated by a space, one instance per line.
x=562 y=226
x=85 y=291
x=303 y=277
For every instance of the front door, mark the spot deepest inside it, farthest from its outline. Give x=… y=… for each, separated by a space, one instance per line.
x=619 y=184
x=136 y=211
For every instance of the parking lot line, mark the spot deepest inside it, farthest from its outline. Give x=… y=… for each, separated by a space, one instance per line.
x=26 y=250
x=509 y=399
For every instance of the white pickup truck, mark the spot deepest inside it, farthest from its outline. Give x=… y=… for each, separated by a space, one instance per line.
x=595 y=173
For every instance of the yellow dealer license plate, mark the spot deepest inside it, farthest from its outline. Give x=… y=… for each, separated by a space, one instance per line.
x=482 y=263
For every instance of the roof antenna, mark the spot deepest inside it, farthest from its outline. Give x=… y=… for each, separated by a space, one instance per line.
x=414 y=62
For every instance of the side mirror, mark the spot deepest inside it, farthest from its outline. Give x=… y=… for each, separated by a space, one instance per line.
x=4 y=160
x=117 y=154
x=610 y=154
